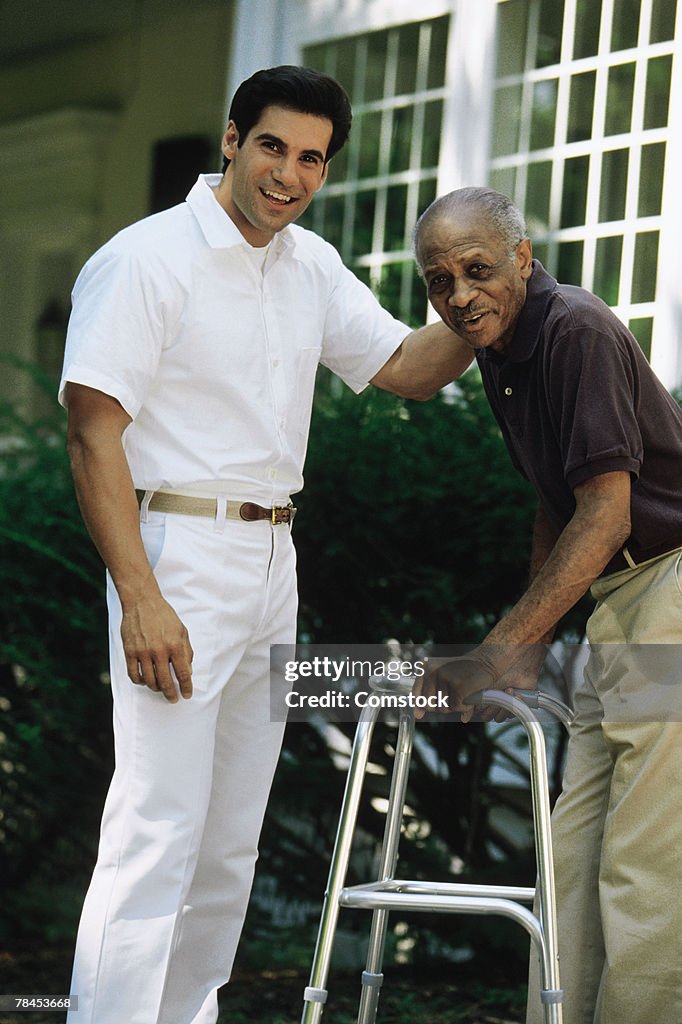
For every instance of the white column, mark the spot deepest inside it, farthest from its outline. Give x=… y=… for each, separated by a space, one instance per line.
x=666 y=347
x=465 y=145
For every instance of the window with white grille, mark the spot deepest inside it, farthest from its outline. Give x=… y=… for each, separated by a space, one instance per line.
x=387 y=173
x=580 y=132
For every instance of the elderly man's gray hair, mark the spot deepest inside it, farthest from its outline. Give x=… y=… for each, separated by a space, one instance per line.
x=505 y=218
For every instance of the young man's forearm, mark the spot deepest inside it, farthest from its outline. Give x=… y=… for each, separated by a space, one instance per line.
x=428 y=359
x=154 y=638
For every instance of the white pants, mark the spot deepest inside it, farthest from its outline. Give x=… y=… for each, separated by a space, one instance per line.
x=166 y=904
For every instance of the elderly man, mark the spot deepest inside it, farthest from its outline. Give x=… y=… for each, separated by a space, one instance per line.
x=587 y=422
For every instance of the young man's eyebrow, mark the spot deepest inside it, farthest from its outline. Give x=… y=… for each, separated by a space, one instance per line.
x=267 y=137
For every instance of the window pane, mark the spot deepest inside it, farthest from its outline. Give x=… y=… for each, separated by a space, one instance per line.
x=537 y=197
x=543 y=114
x=507 y=120
x=657 y=92
x=369 y=132
x=390 y=287
x=512 y=23
x=408 y=52
x=433 y=120
x=363 y=227
x=338 y=167
x=607 y=268
x=418 y=302
x=375 y=65
x=625 y=24
x=320 y=57
x=614 y=183
x=587 y=19
x=401 y=139
x=396 y=206
x=439 y=44
x=549 y=32
x=345 y=66
x=619 y=99
x=662 y=20
x=643 y=327
x=646 y=266
x=651 y=180
x=427 y=193
x=333 y=220
x=541 y=253
x=570 y=268
x=575 y=191
x=503 y=179
x=580 y=106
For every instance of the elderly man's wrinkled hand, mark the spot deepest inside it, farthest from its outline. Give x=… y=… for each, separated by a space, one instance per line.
x=457 y=678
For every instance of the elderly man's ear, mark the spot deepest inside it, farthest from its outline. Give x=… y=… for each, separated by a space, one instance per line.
x=524 y=257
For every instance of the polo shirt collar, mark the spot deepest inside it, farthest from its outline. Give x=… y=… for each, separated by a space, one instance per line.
x=218 y=228
x=541 y=288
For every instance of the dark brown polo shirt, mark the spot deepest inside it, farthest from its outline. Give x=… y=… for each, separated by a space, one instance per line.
x=575 y=397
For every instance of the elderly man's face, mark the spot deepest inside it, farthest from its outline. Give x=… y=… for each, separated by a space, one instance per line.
x=473 y=282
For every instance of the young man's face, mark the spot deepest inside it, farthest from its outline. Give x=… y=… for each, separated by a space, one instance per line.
x=275 y=173
x=474 y=283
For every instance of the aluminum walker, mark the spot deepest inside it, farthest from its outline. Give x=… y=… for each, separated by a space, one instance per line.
x=388 y=892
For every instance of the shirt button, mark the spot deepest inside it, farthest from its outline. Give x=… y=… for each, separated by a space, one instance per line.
x=508 y=391
x=275 y=362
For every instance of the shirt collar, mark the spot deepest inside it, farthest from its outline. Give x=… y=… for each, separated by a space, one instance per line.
x=540 y=289
x=218 y=228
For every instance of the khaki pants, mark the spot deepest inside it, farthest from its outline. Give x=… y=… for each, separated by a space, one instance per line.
x=617 y=825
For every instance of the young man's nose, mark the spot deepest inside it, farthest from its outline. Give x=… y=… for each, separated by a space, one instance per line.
x=285 y=171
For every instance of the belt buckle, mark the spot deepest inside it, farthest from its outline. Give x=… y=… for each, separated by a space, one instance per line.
x=282 y=514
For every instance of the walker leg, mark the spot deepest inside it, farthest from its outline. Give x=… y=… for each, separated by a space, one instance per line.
x=315 y=994
x=372 y=976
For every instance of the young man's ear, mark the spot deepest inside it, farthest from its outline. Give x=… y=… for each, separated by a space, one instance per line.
x=230 y=141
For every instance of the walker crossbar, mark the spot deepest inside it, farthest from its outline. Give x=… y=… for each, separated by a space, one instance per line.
x=388 y=892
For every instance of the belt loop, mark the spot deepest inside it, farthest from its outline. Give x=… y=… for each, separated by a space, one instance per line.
x=628 y=558
x=144 y=506
x=220 y=514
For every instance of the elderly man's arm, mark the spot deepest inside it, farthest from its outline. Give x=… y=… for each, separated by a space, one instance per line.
x=154 y=638
x=598 y=529
x=428 y=359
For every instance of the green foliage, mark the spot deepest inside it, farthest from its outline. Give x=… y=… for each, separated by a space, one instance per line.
x=54 y=712
x=412 y=522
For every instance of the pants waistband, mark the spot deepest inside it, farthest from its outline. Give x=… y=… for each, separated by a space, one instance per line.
x=631 y=556
x=214 y=508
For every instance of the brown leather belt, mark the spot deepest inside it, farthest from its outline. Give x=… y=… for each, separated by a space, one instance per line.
x=632 y=556
x=185 y=505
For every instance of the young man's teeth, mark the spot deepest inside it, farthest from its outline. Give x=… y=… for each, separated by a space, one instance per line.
x=277 y=196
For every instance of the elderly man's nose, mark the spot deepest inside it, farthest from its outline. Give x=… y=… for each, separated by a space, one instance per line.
x=461 y=294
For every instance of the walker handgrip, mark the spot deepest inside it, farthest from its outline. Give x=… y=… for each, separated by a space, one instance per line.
x=535 y=699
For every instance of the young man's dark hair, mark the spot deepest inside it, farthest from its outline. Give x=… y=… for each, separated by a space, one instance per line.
x=301 y=89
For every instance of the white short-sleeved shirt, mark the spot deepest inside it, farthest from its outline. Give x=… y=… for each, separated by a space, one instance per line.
x=213 y=356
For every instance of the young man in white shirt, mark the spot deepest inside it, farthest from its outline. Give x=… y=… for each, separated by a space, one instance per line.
x=188 y=377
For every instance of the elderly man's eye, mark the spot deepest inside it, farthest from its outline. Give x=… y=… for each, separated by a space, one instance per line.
x=438 y=282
